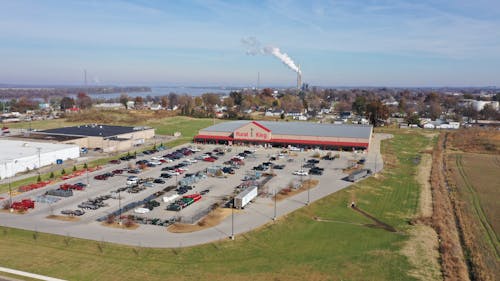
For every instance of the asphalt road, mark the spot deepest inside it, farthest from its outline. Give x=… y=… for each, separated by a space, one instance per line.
x=255 y=215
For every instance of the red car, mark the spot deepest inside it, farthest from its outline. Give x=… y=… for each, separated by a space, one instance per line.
x=209 y=159
x=116 y=161
x=117 y=172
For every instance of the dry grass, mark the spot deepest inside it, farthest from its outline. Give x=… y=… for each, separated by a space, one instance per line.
x=117 y=116
x=444 y=220
x=422 y=252
x=213 y=218
x=62 y=218
x=476 y=140
x=132 y=226
x=474 y=178
x=307 y=184
x=423 y=177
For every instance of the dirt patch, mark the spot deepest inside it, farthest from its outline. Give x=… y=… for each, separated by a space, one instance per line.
x=289 y=192
x=423 y=176
x=377 y=223
x=7 y=211
x=121 y=226
x=213 y=218
x=62 y=218
x=422 y=252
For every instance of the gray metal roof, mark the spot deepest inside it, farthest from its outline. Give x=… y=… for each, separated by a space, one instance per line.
x=300 y=128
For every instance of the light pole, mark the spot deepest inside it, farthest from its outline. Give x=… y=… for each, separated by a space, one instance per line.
x=232 y=220
x=88 y=182
x=274 y=218
x=39 y=159
x=308 y=188
x=119 y=208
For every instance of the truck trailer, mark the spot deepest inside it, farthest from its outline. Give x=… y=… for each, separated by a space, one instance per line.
x=244 y=197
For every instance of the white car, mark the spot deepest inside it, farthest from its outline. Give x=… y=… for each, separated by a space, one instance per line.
x=155 y=162
x=193 y=160
x=194 y=149
x=293 y=148
x=132 y=181
x=300 y=173
x=172 y=173
x=156 y=158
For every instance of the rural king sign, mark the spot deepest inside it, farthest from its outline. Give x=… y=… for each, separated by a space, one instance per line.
x=247 y=135
x=252 y=132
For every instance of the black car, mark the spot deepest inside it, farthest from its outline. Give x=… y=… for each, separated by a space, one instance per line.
x=260 y=168
x=204 y=192
x=228 y=170
x=314 y=161
x=279 y=167
x=315 y=172
x=247 y=152
x=165 y=176
x=161 y=181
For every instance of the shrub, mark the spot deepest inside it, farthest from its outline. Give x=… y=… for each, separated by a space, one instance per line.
x=110 y=219
x=85 y=166
x=39 y=178
x=74 y=168
x=63 y=172
x=51 y=176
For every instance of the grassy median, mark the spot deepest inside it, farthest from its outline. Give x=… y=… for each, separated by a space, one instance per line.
x=324 y=241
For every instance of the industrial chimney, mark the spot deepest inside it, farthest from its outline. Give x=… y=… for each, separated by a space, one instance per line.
x=299 y=79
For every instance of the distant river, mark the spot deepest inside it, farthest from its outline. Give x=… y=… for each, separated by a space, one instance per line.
x=163 y=91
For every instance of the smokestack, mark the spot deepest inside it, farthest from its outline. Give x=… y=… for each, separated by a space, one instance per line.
x=299 y=78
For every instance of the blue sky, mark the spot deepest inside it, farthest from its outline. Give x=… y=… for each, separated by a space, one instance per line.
x=337 y=43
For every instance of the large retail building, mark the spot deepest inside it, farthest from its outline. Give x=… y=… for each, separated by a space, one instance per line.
x=106 y=137
x=284 y=134
x=19 y=156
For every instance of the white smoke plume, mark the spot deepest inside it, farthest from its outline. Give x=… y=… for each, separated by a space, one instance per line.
x=254 y=48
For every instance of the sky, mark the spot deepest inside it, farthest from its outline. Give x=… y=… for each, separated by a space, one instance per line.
x=199 y=43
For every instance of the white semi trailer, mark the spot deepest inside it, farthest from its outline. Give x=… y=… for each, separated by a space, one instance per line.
x=247 y=195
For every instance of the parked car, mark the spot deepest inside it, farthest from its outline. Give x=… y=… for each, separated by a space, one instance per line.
x=300 y=173
x=116 y=161
x=160 y=181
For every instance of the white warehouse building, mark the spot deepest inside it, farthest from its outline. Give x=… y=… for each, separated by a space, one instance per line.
x=19 y=156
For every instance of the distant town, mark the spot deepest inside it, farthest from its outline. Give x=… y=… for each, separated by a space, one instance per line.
x=444 y=108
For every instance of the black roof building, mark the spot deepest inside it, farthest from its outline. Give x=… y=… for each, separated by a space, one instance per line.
x=94 y=130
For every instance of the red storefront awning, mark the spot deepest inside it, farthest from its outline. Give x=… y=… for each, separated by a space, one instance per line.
x=314 y=142
x=209 y=137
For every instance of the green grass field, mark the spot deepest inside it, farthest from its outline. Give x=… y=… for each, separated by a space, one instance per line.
x=297 y=247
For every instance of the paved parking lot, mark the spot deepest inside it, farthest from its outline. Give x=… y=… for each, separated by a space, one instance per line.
x=255 y=214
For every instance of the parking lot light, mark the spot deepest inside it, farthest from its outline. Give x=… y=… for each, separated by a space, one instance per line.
x=232 y=220
x=274 y=217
